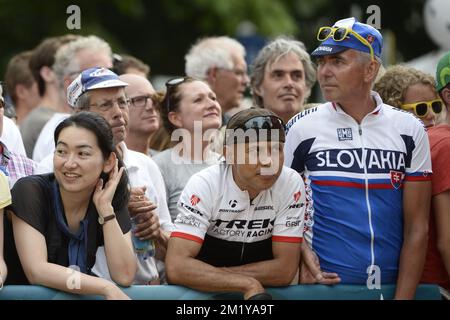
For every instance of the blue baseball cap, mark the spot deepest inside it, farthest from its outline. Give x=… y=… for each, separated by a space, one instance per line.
x=90 y=79
x=369 y=33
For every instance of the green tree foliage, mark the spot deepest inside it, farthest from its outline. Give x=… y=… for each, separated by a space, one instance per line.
x=161 y=31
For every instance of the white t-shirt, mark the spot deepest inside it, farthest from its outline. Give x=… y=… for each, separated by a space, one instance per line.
x=11 y=137
x=45 y=143
x=233 y=230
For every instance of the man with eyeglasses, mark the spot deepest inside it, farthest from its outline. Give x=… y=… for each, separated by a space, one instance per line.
x=144 y=118
x=101 y=91
x=368 y=166
x=220 y=61
x=239 y=225
x=437 y=263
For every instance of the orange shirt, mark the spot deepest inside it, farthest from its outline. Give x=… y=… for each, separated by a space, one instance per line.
x=434 y=270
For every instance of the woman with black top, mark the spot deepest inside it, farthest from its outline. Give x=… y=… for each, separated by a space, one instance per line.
x=60 y=219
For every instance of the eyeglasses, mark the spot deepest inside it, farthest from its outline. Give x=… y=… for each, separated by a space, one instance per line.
x=140 y=101
x=107 y=105
x=170 y=84
x=257 y=123
x=420 y=109
x=339 y=34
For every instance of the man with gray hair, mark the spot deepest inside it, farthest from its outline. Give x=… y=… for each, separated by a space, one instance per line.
x=220 y=61
x=70 y=60
x=282 y=77
x=368 y=165
x=100 y=90
x=79 y=55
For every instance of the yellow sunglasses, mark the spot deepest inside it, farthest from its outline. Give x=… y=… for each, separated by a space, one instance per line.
x=339 y=34
x=421 y=108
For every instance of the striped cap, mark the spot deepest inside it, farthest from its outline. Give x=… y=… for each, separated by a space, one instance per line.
x=90 y=79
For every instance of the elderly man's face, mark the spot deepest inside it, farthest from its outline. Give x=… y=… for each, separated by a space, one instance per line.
x=111 y=104
x=257 y=165
x=230 y=85
x=341 y=76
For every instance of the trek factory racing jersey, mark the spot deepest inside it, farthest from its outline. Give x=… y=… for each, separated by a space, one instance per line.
x=233 y=230
x=356 y=173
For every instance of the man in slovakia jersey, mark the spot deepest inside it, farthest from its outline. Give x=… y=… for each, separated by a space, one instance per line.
x=368 y=167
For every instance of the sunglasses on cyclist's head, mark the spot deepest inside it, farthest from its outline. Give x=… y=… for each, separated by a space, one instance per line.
x=256 y=123
x=340 y=34
x=420 y=109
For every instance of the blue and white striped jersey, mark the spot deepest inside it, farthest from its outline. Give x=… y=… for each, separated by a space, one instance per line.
x=356 y=174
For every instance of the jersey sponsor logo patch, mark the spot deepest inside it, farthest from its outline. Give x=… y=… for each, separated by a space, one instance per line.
x=344 y=134
x=243 y=228
x=297 y=196
x=231 y=210
x=194 y=200
x=189 y=208
x=299 y=116
x=426 y=173
x=190 y=220
x=232 y=203
x=296 y=206
x=264 y=208
x=243 y=224
x=396 y=178
x=294 y=223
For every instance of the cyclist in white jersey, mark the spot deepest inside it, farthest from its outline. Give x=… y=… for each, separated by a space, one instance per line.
x=240 y=223
x=368 y=166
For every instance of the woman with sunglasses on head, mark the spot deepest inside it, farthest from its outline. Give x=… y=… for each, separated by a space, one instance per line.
x=411 y=90
x=191 y=115
x=60 y=219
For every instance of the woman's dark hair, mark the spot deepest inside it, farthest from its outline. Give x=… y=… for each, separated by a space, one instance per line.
x=102 y=131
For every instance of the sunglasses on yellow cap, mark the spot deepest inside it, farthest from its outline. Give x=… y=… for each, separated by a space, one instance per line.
x=339 y=34
x=420 y=109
